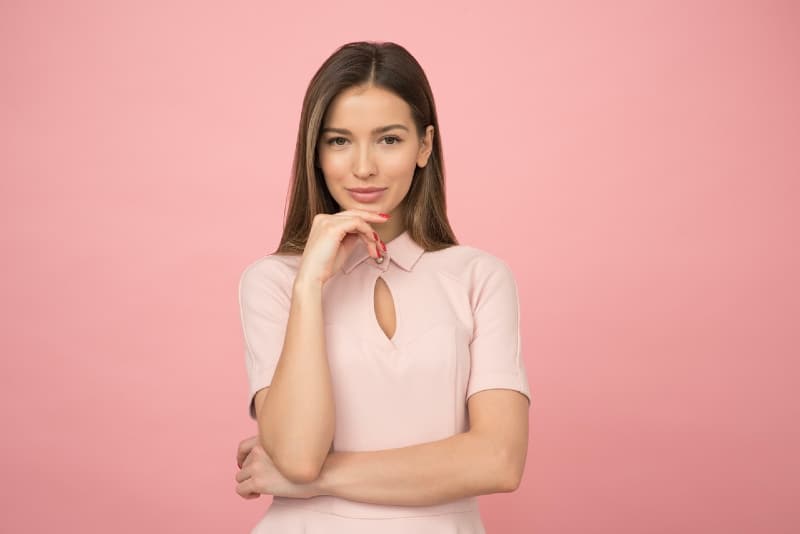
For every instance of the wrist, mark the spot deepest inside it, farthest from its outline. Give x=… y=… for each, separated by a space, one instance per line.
x=304 y=285
x=323 y=485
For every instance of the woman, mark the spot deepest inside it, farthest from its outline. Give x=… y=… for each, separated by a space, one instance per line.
x=383 y=358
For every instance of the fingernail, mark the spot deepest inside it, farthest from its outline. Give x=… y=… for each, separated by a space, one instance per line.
x=383 y=245
x=375 y=236
x=384 y=215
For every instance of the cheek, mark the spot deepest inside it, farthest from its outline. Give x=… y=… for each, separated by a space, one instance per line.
x=334 y=164
x=397 y=163
x=338 y=164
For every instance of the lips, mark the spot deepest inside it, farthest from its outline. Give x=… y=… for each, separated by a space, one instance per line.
x=366 y=194
x=366 y=189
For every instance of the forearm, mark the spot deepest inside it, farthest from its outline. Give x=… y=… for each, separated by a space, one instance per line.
x=425 y=474
x=297 y=419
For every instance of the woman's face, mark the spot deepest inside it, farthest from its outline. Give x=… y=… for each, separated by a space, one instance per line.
x=368 y=141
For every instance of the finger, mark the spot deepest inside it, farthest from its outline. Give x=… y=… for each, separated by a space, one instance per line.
x=244 y=449
x=370 y=242
x=368 y=235
x=248 y=489
x=240 y=459
x=242 y=475
x=372 y=239
x=372 y=216
x=241 y=456
x=355 y=224
x=245 y=488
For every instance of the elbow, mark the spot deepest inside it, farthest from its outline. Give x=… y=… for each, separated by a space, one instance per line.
x=297 y=464
x=297 y=470
x=511 y=470
x=300 y=473
x=510 y=483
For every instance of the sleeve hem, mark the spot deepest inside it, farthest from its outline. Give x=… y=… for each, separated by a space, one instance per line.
x=513 y=381
x=259 y=379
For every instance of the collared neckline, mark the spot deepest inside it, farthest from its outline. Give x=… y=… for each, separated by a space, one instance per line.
x=401 y=250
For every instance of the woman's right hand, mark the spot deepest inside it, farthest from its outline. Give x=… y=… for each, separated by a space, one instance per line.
x=331 y=240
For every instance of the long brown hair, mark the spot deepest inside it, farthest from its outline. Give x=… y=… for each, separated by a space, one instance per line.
x=391 y=67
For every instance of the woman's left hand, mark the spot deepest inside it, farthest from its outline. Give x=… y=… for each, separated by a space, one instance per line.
x=258 y=475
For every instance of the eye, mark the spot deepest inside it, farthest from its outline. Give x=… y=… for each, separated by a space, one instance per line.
x=332 y=141
x=394 y=138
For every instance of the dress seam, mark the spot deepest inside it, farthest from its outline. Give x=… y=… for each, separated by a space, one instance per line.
x=435 y=514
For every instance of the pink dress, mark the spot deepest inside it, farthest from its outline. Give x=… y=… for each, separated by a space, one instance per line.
x=457 y=333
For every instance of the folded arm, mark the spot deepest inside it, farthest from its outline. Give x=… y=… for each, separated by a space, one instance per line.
x=295 y=412
x=489 y=458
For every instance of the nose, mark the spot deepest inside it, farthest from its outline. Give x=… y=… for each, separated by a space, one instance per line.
x=364 y=166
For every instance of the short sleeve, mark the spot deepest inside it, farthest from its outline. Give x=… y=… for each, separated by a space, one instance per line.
x=264 y=301
x=495 y=348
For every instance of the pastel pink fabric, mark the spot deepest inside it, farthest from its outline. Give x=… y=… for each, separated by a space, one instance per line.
x=457 y=333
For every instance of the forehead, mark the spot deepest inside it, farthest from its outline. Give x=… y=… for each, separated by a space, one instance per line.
x=366 y=107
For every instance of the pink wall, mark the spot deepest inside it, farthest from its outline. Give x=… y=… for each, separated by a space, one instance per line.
x=652 y=156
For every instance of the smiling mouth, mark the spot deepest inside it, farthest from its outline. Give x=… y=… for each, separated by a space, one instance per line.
x=366 y=189
x=370 y=195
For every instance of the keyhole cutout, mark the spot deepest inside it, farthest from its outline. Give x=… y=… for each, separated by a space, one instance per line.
x=384 y=308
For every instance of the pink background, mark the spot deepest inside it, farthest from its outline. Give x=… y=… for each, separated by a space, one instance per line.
x=651 y=155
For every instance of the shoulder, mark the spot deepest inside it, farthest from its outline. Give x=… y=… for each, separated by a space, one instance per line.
x=274 y=272
x=470 y=265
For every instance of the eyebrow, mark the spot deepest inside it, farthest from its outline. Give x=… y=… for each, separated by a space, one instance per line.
x=374 y=132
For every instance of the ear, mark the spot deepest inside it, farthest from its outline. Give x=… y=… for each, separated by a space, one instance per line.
x=426 y=147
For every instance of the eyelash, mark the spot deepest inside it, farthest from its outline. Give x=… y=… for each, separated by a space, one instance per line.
x=397 y=140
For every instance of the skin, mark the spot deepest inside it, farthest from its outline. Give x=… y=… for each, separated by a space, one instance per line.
x=490 y=457
x=365 y=159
